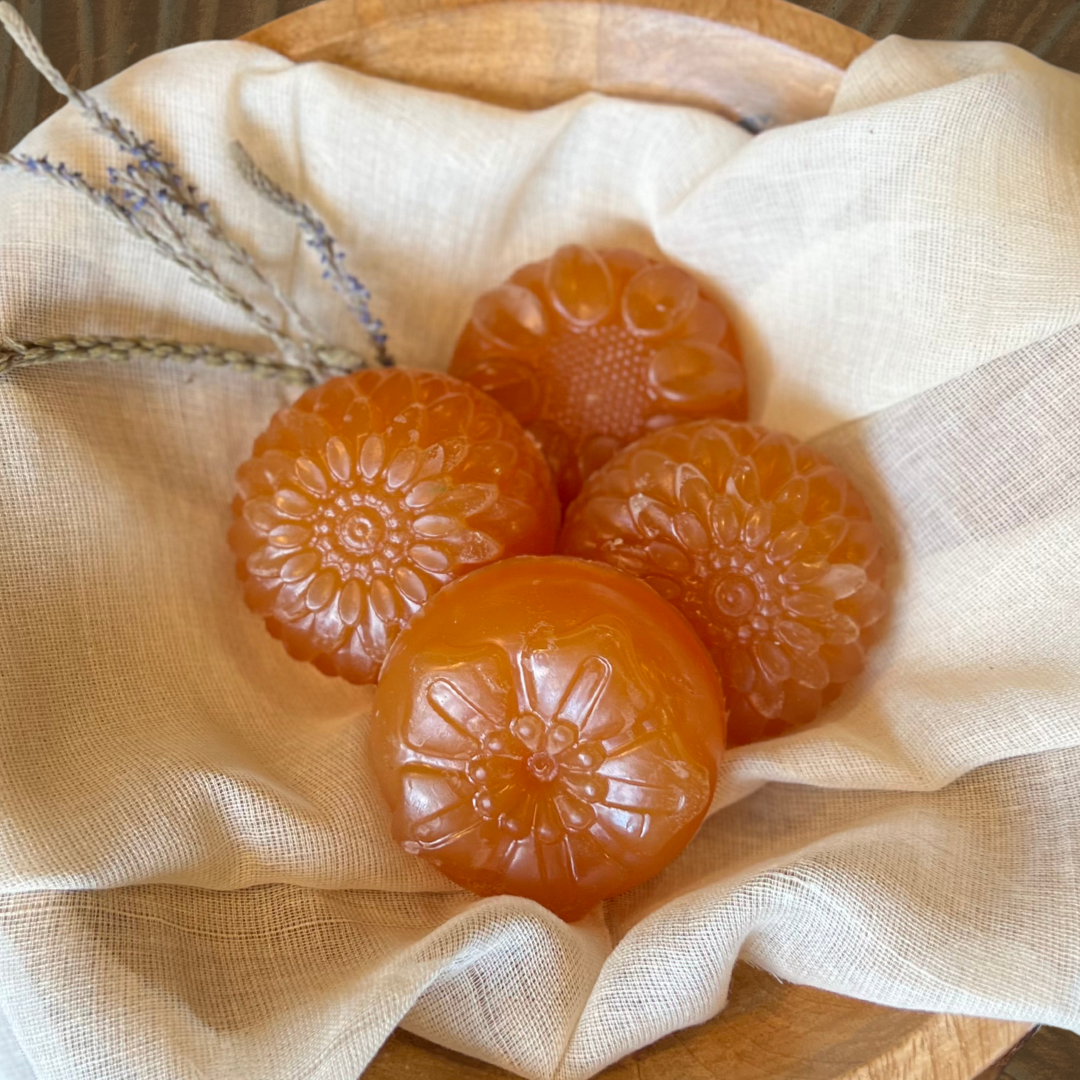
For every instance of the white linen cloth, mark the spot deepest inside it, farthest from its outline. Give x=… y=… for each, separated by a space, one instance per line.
x=196 y=878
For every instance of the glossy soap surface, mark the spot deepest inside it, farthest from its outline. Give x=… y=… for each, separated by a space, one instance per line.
x=589 y=350
x=367 y=496
x=762 y=543
x=548 y=728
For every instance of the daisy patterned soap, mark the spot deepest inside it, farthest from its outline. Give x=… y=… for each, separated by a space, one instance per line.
x=367 y=496
x=762 y=543
x=548 y=728
x=590 y=350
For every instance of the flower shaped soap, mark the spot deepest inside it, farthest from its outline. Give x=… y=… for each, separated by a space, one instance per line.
x=762 y=543
x=367 y=496
x=590 y=350
x=548 y=728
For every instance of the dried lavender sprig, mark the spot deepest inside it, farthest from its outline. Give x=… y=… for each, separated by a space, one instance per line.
x=199 y=269
x=43 y=168
x=33 y=353
x=355 y=294
x=152 y=182
x=152 y=185
x=150 y=160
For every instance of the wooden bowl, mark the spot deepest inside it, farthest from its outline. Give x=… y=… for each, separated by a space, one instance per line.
x=762 y=63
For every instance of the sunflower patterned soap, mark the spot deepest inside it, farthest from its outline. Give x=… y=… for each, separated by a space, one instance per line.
x=762 y=543
x=548 y=728
x=590 y=350
x=367 y=496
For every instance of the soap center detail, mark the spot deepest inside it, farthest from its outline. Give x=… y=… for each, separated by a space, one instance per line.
x=362 y=530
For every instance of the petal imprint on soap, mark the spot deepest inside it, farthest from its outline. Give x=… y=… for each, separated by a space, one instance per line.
x=572 y=714
x=370 y=494
x=761 y=542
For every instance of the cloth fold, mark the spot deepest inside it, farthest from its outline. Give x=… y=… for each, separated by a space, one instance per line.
x=196 y=877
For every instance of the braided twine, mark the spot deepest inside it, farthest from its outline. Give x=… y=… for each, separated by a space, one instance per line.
x=24 y=354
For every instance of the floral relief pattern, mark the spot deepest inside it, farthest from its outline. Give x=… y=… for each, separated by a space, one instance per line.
x=370 y=494
x=589 y=350
x=762 y=543
x=540 y=764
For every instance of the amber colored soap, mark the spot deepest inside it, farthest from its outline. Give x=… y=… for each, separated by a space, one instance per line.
x=549 y=728
x=762 y=543
x=591 y=349
x=367 y=496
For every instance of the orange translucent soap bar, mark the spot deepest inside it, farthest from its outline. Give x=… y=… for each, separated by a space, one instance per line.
x=548 y=728
x=762 y=543
x=367 y=496
x=589 y=350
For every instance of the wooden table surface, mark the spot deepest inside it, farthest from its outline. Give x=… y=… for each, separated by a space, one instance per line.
x=89 y=40
x=760 y=1036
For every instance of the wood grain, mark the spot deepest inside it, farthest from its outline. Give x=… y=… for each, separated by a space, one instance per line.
x=1048 y=28
x=1049 y=1054
x=761 y=62
x=769 y=1031
x=334 y=21
x=90 y=40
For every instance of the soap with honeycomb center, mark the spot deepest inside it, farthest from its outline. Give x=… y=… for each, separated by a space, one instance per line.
x=592 y=349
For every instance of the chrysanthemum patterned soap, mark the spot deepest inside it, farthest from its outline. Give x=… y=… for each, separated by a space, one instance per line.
x=367 y=496
x=590 y=350
x=548 y=728
x=762 y=543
